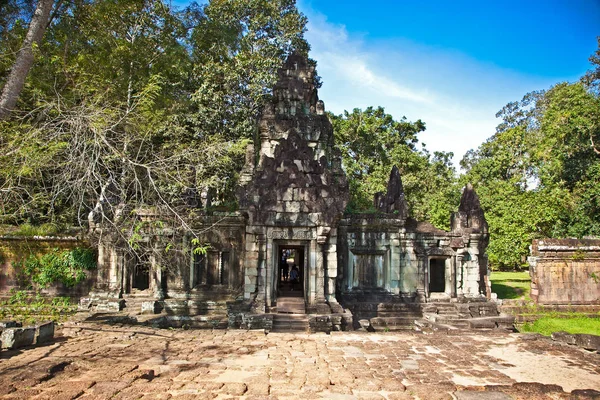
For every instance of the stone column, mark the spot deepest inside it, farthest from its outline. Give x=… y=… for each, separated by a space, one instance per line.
x=267 y=272
x=458 y=283
x=331 y=271
x=319 y=289
x=393 y=277
x=261 y=241
x=312 y=272
x=251 y=264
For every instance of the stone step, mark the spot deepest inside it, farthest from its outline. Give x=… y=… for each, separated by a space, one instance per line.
x=290 y=323
x=403 y=314
x=392 y=323
x=291 y=305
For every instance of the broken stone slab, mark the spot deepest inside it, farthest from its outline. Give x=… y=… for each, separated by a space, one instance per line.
x=588 y=342
x=9 y=324
x=110 y=306
x=365 y=324
x=151 y=307
x=585 y=341
x=563 y=337
x=44 y=333
x=14 y=338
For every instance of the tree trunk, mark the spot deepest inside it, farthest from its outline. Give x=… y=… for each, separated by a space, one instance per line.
x=22 y=65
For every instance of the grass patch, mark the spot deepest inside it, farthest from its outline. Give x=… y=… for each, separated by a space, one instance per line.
x=547 y=325
x=31 y=308
x=511 y=285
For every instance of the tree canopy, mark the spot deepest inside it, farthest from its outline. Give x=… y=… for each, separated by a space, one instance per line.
x=135 y=104
x=372 y=142
x=539 y=174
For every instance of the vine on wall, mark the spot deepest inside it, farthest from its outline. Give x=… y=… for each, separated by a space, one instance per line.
x=57 y=266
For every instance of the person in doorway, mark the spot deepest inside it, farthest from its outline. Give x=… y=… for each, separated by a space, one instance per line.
x=285 y=270
x=294 y=276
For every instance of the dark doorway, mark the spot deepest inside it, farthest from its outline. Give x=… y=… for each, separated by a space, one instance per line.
x=141 y=273
x=290 y=275
x=437 y=275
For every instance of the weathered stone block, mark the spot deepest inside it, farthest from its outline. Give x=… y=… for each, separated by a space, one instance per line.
x=288 y=195
x=14 y=338
x=44 y=333
x=563 y=337
x=151 y=307
x=9 y=324
x=588 y=342
x=365 y=324
x=293 y=206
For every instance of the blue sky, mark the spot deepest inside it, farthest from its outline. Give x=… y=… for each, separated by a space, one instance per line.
x=452 y=64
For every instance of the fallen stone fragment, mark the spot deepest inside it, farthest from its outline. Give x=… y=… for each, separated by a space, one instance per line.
x=563 y=337
x=44 y=333
x=14 y=338
x=9 y=324
x=588 y=342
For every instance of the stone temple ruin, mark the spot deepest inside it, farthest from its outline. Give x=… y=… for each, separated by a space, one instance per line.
x=375 y=271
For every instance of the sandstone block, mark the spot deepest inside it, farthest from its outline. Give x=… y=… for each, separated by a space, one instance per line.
x=588 y=342
x=151 y=307
x=14 y=338
x=44 y=333
x=563 y=337
x=9 y=324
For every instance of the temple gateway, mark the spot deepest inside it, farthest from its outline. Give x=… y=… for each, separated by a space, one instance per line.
x=290 y=258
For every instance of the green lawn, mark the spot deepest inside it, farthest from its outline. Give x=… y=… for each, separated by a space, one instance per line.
x=547 y=325
x=511 y=285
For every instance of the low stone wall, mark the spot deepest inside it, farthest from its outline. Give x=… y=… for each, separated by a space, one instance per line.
x=565 y=271
x=17 y=248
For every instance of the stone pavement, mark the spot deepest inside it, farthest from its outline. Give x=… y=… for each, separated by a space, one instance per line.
x=100 y=361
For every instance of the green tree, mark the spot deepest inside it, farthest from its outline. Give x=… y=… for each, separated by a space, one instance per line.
x=115 y=114
x=372 y=142
x=538 y=176
x=237 y=48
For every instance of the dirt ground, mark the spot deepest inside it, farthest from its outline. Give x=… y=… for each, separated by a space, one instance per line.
x=101 y=361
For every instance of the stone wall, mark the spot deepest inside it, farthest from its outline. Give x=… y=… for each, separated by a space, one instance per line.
x=565 y=271
x=16 y=248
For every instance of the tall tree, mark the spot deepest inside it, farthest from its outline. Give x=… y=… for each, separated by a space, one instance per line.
x=25 y=58
x=372 y=142
x=539 y=175
x=111 y=119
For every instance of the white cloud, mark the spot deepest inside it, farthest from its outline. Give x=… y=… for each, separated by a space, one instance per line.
x=455 y=96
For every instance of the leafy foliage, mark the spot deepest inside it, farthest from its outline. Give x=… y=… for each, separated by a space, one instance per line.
x=372 y=142
x=539 y=175
x=67 y=267
x=136 y=105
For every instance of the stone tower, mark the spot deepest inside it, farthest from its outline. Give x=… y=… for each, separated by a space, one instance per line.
x=293 y=189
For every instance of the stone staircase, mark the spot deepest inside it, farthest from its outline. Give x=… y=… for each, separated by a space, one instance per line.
x=467 y=315
x=395 y=316
x=141 y=302
x=296 y=323
x=290 y=315
x=291 y=305
x=444 y=315
x=380 y=311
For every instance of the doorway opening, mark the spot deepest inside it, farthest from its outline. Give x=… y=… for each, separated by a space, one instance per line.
x=437 y=275
x=141 y=273
x=291 y=271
